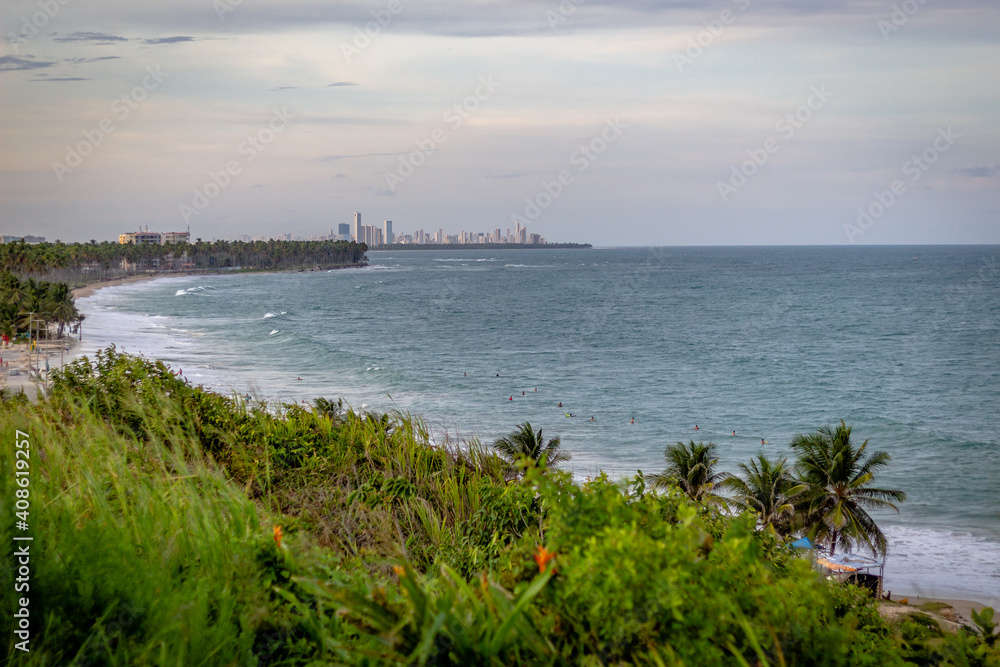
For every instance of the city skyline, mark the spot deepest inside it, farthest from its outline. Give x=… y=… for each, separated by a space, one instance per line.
x=614 y=124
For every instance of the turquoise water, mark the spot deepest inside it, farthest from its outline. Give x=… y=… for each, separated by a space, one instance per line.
x=901 y=342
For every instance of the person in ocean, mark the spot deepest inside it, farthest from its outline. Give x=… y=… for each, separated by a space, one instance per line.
x=522 y=393
x=633 y=420
x=512 y=397
x=734 y=432
x=465 y=375
x=696 y=427
x=591 y=419
x=498 y=375
x=560 y=404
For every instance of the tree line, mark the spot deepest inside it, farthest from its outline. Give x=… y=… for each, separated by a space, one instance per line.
x=20 y=299
x=79 y=263
x=826 y=493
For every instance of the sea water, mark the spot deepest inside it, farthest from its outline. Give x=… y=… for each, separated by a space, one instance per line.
x=903 y=343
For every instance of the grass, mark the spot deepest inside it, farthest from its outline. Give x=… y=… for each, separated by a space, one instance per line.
x=174 y=526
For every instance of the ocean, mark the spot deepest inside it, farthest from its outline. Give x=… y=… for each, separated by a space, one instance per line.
x=903 y=343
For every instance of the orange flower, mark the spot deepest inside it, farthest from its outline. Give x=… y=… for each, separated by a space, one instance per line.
x=399 y=570
x=278 y=535
x=543 y=557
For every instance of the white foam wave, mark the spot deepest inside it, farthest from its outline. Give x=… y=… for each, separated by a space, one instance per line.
x=942 y=563
x=267 y=315
x=273 y=331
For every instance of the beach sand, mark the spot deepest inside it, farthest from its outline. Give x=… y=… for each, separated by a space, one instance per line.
x=16 y=357
x=963 y=608
x=87 y=290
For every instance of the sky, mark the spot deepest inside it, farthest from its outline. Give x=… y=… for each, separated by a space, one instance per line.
x=732 y=122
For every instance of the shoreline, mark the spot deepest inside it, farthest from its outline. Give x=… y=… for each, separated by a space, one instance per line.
x=960 y=599
x=89 y=289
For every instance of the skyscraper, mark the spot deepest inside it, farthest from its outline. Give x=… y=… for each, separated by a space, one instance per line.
x=343 y=231
x=357 y=227
x=389 y=238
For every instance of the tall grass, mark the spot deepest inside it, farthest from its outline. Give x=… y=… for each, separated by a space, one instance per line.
x=174 y=526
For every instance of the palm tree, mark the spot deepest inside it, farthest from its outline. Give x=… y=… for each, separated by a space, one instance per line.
x=839 y=493
x=525 y=442
x=767 y=489
x=692 y=468
x=60 y=306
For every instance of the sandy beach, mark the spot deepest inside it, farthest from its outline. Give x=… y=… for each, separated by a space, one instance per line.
x=87 y=290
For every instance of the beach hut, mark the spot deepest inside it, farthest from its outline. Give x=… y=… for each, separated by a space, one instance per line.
x=854 y=569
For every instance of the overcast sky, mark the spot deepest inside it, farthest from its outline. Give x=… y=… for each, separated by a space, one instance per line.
x=616 y=123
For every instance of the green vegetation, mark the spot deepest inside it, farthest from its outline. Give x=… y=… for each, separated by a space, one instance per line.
x=524 y=442
x=768 y=490
x=174 y=526
x=692 y=469
x=826 y=494
x=838 y=489
x=80 y=263
x=52 y=302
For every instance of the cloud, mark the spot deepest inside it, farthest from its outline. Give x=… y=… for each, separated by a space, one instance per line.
x=64 y=78
x=978 y=172
x=80 y=61
x=331 y=158
x=335 y=84
x=94 y=37
x=13 y=63
x=170 y=40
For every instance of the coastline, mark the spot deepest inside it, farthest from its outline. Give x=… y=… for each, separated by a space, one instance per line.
x=965 y=601
x=87 y=290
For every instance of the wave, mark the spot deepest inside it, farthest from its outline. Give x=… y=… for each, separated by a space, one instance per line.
x=273 y=331
x=267 y=315
x=942 y=563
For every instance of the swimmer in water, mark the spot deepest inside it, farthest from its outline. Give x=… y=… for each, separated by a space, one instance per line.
x=591 y=419
x=633 y=420
x=522 y=393
x=465 y=375
x=298 y=378
x=696 y=427
x=560 y=404
x=762 y=441
x=512 y=398
x=536 y=388
x=498 y=375
x=734 y=432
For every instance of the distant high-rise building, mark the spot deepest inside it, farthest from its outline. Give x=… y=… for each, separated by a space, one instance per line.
x=389 y=238
x=344 y=231
x=140 y=238
x=357 y=225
